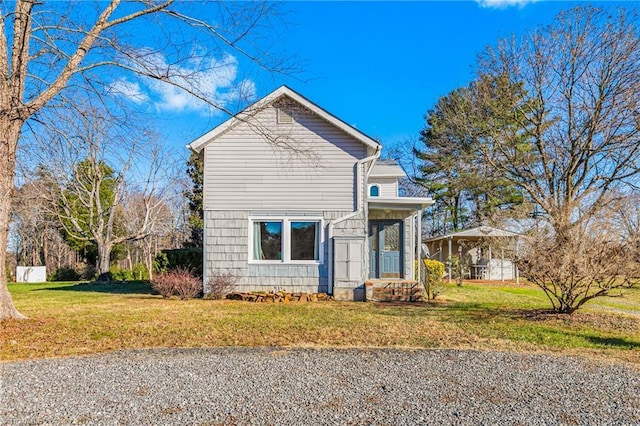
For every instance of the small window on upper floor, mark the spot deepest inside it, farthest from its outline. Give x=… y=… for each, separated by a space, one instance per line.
x=284 y=116
x=374 y=191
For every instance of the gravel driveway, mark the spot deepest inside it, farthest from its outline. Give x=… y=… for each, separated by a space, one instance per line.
x=326 y=386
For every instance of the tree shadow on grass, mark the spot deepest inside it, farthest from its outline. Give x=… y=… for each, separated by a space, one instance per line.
x=469 y=311
x=442 y=309
x=128 y=287
x=537 y=320
x=615 y=342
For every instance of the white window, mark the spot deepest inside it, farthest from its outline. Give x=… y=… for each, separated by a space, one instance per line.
x=285 y=240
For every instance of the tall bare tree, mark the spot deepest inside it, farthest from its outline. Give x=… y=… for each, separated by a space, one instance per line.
x=107 y=181
x=575 y=147
x=158 y=221
x=49 y=48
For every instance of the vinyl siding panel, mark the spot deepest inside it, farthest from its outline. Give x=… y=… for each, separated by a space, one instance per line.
x=388 y=186
x=307 y=165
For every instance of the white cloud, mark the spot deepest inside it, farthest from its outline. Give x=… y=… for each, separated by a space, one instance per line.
x=206 y=77
x=503 y=4
x=129 y=90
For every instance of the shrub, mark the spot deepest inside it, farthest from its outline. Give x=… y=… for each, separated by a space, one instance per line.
x=220 y=284
x=180 y=282
x=164 y=284
x=185 y=258
x=432 y=278
x=65 y=274
x=160 y=263
x=88 y=273
x=120 y=274
x=580 y=265
x=140 y=272
x=459 y=269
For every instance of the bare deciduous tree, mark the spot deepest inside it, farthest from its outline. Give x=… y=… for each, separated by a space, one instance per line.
x=107 y=183
x=47 y=49
x=137 y=212
x=36 y=238
x=573 y=89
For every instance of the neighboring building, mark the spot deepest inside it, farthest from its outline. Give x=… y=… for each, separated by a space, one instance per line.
x=296 y=199
x=486 y=252
x=31 y=274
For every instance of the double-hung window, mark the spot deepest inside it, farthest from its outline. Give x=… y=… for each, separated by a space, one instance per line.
x=285 y=240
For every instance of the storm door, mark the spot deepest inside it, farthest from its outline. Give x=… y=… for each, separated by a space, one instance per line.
x=385 y=249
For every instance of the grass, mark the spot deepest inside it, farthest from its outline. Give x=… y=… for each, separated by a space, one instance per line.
x=77 y=319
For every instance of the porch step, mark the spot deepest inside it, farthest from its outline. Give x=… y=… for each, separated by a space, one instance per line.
x=394 y=291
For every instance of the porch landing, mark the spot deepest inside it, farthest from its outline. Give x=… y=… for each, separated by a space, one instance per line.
x=393 y=290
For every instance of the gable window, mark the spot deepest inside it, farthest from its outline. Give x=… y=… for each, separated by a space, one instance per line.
x=374 y=190
x=285 y=240
x=284 y=117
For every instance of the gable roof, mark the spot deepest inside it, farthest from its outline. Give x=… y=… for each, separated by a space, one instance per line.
x=198 y=144
x=387 y=168
x=479 y=232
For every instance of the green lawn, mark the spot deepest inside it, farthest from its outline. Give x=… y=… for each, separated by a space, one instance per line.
x=72 y=319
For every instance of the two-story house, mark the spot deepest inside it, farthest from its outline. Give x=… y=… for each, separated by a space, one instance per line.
x=295 y=199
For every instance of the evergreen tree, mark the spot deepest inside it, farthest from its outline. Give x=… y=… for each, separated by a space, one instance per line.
x=453 y=170
x=194 y=195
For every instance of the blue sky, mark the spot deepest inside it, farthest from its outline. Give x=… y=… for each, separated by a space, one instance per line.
x=381 y=65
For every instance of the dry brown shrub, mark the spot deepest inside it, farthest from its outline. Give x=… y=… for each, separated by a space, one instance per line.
x=163 y=284
x=178 y=281
x=579 y=266
x=220 y=284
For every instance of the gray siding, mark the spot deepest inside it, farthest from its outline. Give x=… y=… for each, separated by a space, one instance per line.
x=354 y=228
x=227 y=250
x=225 y=243
x=294 y=167
x=388 y=186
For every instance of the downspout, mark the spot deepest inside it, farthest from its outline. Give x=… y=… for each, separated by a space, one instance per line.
x=359 y=209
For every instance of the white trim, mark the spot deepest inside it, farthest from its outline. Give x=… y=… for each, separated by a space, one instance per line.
x=399 y=203
x=283 y=117
x=198 y=144
x=360 y=207
x=488 y=232
x=286 y=239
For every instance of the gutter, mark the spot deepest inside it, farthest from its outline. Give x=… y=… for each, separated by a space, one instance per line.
x=359 y=209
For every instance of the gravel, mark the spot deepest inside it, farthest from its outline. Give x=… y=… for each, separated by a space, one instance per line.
x=318 y=386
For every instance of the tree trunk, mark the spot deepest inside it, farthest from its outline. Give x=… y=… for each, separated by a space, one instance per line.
x=147 y=250
x=103 y=262
x=45 y=252
x=9 y=135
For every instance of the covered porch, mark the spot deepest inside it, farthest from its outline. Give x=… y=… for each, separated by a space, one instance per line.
x=482 y=253
x=393 y=238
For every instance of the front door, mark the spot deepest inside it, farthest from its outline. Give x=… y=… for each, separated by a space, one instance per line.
x=385 y=249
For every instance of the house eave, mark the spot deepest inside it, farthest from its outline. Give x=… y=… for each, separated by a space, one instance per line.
x=399 y=203
x=388 y=175
x=199 y=144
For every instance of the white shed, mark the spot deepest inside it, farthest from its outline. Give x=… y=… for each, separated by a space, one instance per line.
x=31 y=274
